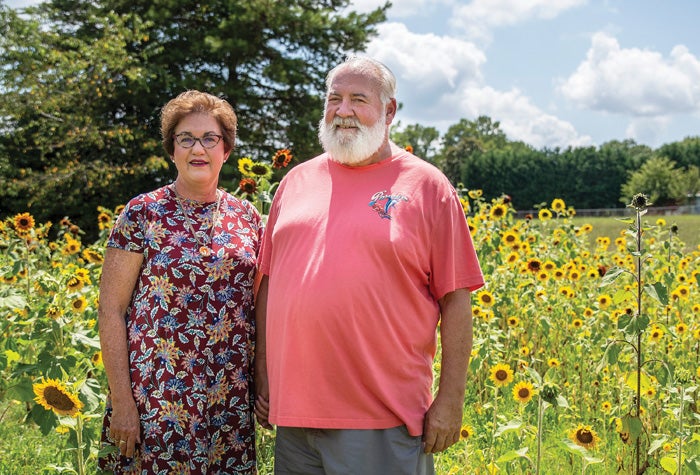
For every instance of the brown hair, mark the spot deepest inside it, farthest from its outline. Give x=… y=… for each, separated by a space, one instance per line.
x=196 y=102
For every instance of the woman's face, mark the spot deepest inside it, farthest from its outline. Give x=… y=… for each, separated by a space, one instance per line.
x=199 y=166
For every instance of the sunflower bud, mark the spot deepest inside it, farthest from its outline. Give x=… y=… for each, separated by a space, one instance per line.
x=549 y=393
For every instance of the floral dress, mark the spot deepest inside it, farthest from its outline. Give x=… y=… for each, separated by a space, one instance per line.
x=191 y=332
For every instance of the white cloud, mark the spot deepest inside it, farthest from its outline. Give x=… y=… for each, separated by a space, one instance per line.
x=634 y=81
x=519 y=118
x=480 y=16
x=440 y=82
x=647 y=129
x=426 y=64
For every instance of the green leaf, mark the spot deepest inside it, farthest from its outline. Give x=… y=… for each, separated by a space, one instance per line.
x=46 y=420
x=658 y=292
x=611 y=275
x=669 y=464
x=512 y=455
x=511 y=426
x=580 y=451
x=612 y=352
x=22 y=390
x=622 y=295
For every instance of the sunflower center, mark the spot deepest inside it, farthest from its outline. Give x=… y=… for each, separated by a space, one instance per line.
x=501 y=375
x=56 y=398
x=524 y=393
x=584 y=436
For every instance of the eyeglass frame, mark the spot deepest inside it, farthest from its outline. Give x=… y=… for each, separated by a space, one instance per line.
x=176 y=137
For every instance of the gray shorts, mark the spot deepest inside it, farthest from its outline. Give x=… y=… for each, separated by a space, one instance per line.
x=350 y=452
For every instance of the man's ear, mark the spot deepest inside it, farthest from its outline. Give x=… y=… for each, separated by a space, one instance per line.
x=391 y=108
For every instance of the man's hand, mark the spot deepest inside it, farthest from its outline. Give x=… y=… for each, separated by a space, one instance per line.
x=442 y=425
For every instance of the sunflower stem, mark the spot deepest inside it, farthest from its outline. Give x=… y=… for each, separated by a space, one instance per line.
x=540 y=414
x=79 y=442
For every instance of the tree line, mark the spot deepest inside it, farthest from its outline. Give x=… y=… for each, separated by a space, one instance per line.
x=82 y=83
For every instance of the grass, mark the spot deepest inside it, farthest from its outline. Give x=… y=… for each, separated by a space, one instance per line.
x=688 y=227
x=23 y=449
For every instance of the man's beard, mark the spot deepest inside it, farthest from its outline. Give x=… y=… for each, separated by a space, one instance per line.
x=353 y=146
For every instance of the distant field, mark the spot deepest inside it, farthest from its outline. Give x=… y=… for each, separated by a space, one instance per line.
x=688 y=227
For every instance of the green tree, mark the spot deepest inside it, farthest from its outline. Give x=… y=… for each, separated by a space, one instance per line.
x=83 y=83
x=424 y=140
x=660 y=180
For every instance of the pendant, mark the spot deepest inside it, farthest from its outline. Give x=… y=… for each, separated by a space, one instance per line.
x=204 y=251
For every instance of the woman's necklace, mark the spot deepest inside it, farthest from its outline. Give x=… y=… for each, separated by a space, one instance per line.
x=204 y=250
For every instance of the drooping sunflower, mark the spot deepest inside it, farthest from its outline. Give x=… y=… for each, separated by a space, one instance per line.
x=485 y=298
x=244 y=166
x=282 y=158
x=523 y=392
x=501 y=374
x=74 y=284
x=24 y=222
x=584 y=436
x=92 y=256
x=53 y=395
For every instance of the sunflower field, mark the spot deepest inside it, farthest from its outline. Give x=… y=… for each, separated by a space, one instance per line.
x=586 y=355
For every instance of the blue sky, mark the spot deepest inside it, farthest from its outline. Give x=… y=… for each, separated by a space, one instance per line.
x=554 y=73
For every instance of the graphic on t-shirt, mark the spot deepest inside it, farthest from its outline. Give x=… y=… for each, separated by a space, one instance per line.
x=383 y=203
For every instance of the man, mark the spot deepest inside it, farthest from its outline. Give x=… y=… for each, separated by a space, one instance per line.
x=366 y=250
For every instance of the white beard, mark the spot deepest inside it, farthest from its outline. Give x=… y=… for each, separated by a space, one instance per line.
x=353 y=146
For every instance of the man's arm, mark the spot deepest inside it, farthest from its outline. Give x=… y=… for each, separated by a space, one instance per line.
x=262 y=390
x=443 y=420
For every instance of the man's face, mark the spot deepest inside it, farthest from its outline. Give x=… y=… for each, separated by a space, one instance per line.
x=355 y=123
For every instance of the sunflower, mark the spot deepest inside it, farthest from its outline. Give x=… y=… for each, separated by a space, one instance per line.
x=97 y=358
x=465 y=432
x=604 y=301
x=465 y=204
x=282 y=158
x=71 y=247
x=584 y=436
x=92 y=256
x=79 y=304
x=485 y=298
x=24 y=222
x=54 y=396
x=512 y=257
x=248 y=185
x=523 y=392
x=577 y=323
x=534 y=265
x=656 y=334
x=681 y=328
x=53 y=312
x=474 y=194
x=244 y=166
x=682 y=291
x=261 y=170
x=104 y=221
x=524 y=350
x=501 y=374
x=558 y=205
x=544 y=214
x=511 y=238
x=74 y=284
x=513 y=321
x=542 y=276
x=498 y=211
x=553 y=362
x=606 y=406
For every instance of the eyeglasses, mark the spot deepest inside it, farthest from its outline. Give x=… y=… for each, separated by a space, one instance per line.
x=185 y=140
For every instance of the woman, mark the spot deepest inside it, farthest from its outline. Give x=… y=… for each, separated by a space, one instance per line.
x=176 y=309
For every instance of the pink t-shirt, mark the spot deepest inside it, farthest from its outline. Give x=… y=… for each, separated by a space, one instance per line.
x=357 y=259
